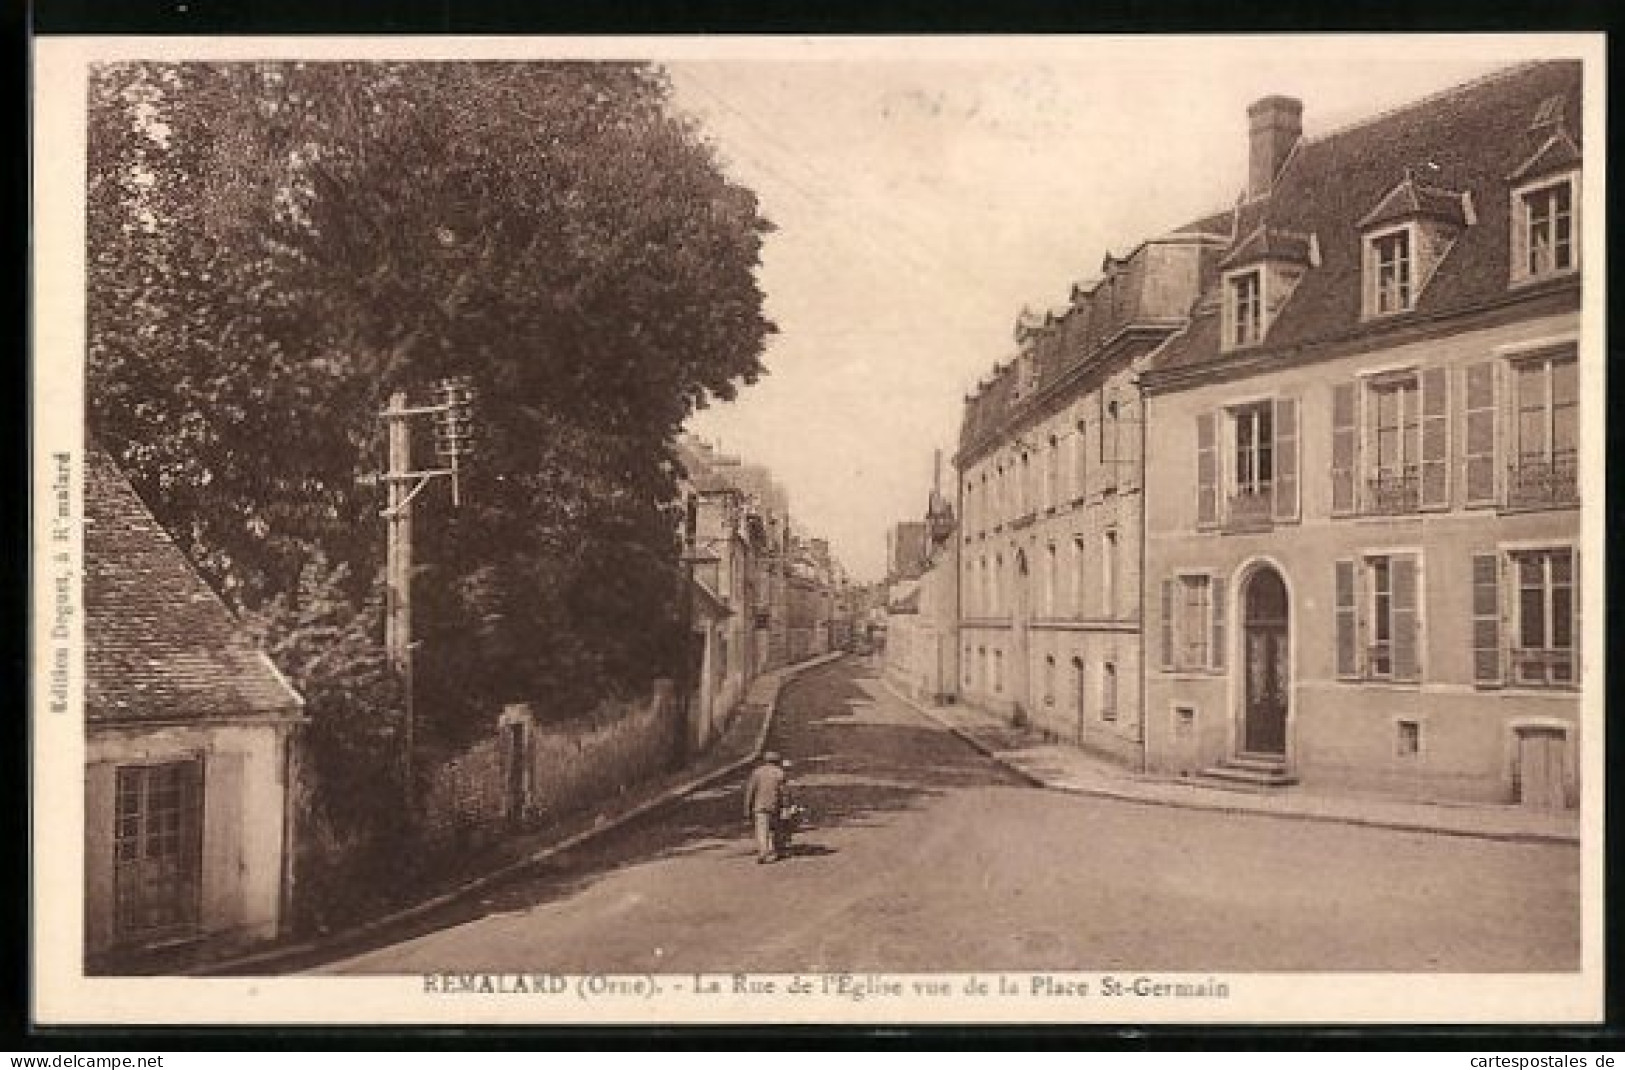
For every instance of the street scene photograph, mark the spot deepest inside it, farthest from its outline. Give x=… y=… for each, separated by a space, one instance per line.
x=1094 y=521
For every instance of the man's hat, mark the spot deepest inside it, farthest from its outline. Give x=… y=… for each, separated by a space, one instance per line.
x=772 y=757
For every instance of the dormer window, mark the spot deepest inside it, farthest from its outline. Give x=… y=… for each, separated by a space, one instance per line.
x=1406 y=237
x=1544 y=221
x=1244 y=303
x=1391 y=272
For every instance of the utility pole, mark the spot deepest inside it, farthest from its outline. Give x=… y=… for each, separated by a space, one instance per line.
x=398 y=568
x=453 y=432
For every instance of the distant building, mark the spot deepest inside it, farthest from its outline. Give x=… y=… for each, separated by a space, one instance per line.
x=1050 y=455
x=922 y=613
x=906 y=550
x=191 y=759
x=1363 y=508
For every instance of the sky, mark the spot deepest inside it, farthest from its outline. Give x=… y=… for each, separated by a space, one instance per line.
x=924 y=192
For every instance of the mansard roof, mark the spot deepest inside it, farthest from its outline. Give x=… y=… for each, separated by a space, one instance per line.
x=160 y=645
x=1468 y=139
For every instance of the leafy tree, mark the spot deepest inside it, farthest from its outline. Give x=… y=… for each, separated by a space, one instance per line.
x=276 y=247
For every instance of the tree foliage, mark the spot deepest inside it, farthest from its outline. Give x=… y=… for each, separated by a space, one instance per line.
x=274 y=248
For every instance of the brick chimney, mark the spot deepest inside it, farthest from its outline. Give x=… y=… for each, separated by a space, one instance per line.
x=1274 y=125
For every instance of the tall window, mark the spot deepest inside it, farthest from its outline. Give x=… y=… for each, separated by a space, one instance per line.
x=157 y=848
x=1547 y=431
x=1246 y=309
x=1194 y=622
x=1052 y=566
x=1378 y=618
x=1077 y=576
x=1396 y=446
x=1049 y=680
x=1052 y=474
x=1108 y=574
x=1544 y=654
x=998 y=584
x=1108 y=692
x=998 y=670
x=1391 y=281
x=1253 y=466
x=1548 y=221
x=1381 y=660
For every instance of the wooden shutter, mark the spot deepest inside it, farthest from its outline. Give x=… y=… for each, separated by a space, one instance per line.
x=1216 y=607
x=1407 y=632
x=1345 y=448
x=1435 y=460
x=224 y=863
x=1346 y=612
x=1207 y=471
x=1167 y=624
x=1478 y=446
x=1487 y=661
x=1286 y=459
x=100 y=799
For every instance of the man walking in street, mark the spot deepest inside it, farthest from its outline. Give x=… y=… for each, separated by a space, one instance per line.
x=764 y=793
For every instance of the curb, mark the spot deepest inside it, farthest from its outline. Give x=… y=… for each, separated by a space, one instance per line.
x=511 y=869
x=1119 y=795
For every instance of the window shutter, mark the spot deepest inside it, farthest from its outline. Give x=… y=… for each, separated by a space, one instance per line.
x=1348 y=662
x=1080 y=461
x=1345 y=440
x=1207 y=472
x=1576 y=599
x=1407 y=618
x=1487 y=660
x=1286 y=458
x=223 y=860
x=1478 y=449
x=1167 y=624
x=1435 y=466
x=1216 y=607
x=100 y=799
x=1520 y=238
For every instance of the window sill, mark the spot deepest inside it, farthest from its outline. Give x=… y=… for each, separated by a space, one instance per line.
x=1382 y=682
x=1537 y=507
x=1193 y=674
x=1519 y=282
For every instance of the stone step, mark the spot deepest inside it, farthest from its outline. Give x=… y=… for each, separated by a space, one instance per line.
x=1234 y=777
x=1262 y=763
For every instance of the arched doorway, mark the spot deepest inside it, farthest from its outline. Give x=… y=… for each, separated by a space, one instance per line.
x=1266 y=671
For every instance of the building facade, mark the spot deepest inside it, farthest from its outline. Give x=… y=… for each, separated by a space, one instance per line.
x=1362 y=509
x=191 y=751
x=1050 y=463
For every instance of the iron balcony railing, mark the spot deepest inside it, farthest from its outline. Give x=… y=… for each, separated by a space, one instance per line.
x=1251 y=506
x=1543 y=666
x=1543 y=482
x=1393 y=492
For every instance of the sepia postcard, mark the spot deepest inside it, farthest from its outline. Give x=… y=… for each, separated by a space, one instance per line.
x=818 y=530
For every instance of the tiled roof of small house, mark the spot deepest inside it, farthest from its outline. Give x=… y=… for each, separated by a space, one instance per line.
x=160 y=645
x=1472 y=140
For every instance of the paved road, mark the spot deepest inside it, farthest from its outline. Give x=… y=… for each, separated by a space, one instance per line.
x=927 y=856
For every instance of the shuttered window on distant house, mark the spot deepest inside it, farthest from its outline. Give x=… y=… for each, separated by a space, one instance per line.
x=1478 y=440
x=1435 y=455
x=1345 y=448
x=1207 y=471
x=1286 y=459
x=1378 y=618
x=1486 y=635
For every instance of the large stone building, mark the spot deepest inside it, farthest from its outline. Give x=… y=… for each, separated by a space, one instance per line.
x=1049 y=468
x=191 y=751
x=1362 y=511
